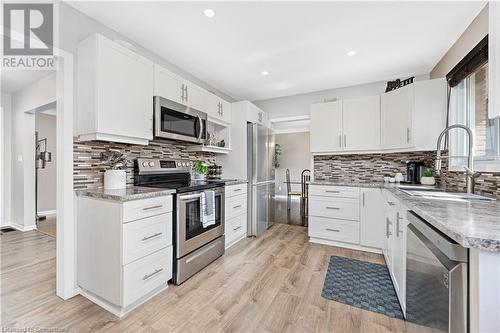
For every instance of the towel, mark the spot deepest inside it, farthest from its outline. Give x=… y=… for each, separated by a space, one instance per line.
x=207 y=208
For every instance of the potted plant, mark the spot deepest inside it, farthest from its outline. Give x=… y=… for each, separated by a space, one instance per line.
x=201 y=170
x=114 y=178
x=428 y=178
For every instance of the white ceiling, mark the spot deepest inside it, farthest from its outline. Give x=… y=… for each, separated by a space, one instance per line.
x=303 y=45
x=15 y=80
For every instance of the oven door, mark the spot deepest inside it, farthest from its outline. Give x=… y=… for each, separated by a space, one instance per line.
x=179 y=122
x=190 y=232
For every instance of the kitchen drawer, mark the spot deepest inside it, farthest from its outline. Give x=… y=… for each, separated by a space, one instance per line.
x=145 y=275
x=139 y=209
x=339 y=208
x=334 y=191
x=143 y=237
x=238 y=189
x=334 y=230
x=235 y=228
x=236 y=206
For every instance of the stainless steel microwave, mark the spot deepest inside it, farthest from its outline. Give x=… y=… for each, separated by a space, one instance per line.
x=175 y=121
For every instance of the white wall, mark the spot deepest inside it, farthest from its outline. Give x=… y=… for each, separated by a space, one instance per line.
x=299 y=105
x=45 y=125
x=34 y=97
x=5 y=159
x=295 y=156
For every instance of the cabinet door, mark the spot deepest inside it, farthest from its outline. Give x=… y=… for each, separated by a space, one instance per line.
x=326 y=127
x=225 y=111
x=196 y=97
x=168 y=85
x=372 y=218
x=213 y=105
x=125 y=90
x=399 y=256
x=396 y=118
x=361 y=123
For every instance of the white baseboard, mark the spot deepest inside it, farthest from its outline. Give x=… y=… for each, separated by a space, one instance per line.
x=21 y=227
x=47 y=213
x=346 y=245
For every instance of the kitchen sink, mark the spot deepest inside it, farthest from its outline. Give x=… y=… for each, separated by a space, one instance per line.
x=433 y=193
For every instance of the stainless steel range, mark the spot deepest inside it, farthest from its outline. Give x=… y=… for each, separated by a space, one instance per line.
x=198 y=240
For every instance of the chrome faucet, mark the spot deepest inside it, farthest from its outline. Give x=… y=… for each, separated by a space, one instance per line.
x=469 y=169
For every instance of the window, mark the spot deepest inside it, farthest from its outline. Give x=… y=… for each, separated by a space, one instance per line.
x=469 y=107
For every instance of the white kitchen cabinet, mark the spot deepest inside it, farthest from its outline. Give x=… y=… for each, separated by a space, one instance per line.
x=114 y=93
x=175 y=88
x=236 y=213
x=395 y=245
x=218 y=108
x=372 y=218
x=124 y=250
x=396 y=118
x=346 y=216
x=168 y=85
x=256 y=115
x=326 y=127
x=361 y=123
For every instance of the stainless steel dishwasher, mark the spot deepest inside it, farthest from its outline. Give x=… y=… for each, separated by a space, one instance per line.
x=436 y=280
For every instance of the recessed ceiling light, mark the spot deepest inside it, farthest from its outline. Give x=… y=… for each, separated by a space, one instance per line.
x=264 y=73
x=210 y=13
x=351 y=53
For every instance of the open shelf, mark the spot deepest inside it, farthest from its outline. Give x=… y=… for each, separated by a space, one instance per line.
x=209 y=149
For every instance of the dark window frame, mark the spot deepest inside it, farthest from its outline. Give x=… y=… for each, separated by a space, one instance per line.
x=476 y=58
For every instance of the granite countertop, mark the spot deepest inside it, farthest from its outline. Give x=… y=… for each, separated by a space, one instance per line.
x=127 y=194
x=229 y=182
x=472 y=224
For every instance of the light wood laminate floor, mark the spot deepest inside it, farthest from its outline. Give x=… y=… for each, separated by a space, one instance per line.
x=269 y=284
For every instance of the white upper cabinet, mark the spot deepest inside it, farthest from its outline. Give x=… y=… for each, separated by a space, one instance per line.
x=326 y=127
x=114 y=93
x=396 y=118
x=218 y=109
x=256 y=115
x=361 y=123
x=175 y=88
x=168 y=85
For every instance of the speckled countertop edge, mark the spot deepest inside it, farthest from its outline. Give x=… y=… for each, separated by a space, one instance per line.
x=473 y=224
x=127 y=194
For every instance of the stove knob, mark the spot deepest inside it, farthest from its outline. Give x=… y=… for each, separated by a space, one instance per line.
x=151 y=164
x=184 y=164
x=179 y=164
x=144 y=164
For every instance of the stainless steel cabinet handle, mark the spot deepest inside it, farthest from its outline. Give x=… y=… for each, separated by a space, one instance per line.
x=182 y=93
x=186 y=89
x=328 y=191
x=237 y=190
x=340 y=141
x=238 y=227
x=398 y=231
x=329 y=207
x=363 y=199
x=152 y=236
x=345 y=140
x=152 y=207
x=334 y=230
x=221 y=109
x=237 y=206
x=407 y=135
x=147 y=276
x=391 y=203
x=388 y=223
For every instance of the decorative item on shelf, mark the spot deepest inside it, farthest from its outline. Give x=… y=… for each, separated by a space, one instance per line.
x=387 y=177
x=399 y=177
x=428 y=178
x=277 y=154
x=201 y=170
x=114 y=178
x=393 y=85
x=221 y=143
x=212 y=139
x=214 y=171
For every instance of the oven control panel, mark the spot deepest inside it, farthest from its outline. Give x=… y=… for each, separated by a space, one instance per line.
x=155 y=165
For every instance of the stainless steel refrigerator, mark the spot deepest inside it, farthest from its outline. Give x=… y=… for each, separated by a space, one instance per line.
x=261 y=187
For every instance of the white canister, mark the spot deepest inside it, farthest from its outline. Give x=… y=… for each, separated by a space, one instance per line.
x=399 y=177
x=115 y=179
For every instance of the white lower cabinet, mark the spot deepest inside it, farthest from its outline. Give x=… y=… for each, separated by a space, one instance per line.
x=346 y=216
x=124 y=250
x=236 y=213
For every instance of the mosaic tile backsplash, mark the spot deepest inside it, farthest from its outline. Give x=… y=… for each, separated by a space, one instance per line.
x=88 y=169
x=372 y=167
